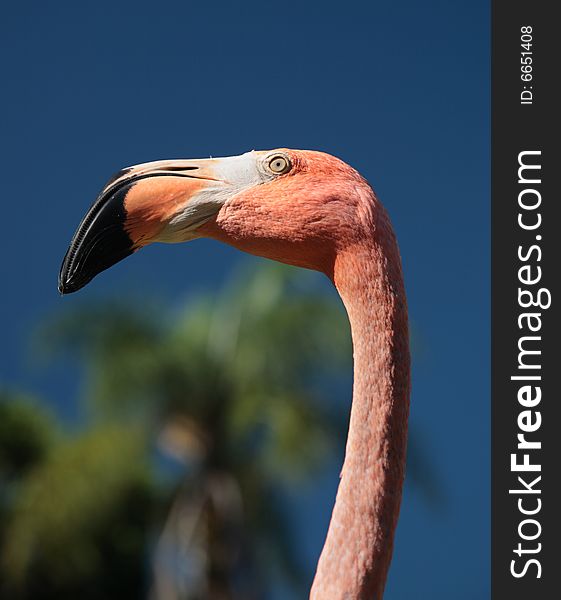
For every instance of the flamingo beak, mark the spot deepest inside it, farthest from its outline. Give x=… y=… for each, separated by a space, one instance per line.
x=160 y=201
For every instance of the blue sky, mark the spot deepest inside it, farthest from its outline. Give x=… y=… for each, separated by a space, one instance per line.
x=400 y=90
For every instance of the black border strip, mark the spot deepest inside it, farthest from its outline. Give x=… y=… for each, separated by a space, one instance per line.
x=516 y=128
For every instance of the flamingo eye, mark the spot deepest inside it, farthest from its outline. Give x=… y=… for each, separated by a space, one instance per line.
x=279 y=164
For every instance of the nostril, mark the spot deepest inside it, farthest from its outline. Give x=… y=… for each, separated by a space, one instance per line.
x=181 y=168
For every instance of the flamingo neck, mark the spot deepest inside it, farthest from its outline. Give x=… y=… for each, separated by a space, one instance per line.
x=358 y=548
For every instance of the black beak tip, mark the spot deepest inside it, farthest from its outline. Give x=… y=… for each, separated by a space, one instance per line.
x=61 y=287
x=71 y=279
x=100 y=241
x=64 y=280
x=67 y=285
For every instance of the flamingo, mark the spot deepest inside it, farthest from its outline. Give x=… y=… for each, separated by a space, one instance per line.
x=312 y=210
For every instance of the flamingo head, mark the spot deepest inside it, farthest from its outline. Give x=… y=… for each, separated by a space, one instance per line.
x=295 y=206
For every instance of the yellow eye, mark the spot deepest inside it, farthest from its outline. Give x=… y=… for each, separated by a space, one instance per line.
x=279 y=164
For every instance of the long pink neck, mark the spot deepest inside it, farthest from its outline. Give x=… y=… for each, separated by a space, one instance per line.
x=358 y=548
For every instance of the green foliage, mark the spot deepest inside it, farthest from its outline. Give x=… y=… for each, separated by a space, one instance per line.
x=235 y=388
x=26 y=434
x=251 y=368
x=240 y=391
x=81 y=519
